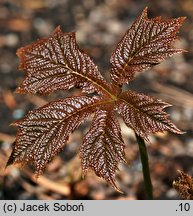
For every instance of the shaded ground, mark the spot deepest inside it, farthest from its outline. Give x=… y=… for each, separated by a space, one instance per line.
x=99 y=26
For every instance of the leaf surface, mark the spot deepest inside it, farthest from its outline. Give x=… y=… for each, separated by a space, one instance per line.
x=43 y=132
x=148 y=42
x=57 y=63
x=103 y=146
x=144 y=114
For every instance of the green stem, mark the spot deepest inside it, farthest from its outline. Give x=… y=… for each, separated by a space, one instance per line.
x=145 y=166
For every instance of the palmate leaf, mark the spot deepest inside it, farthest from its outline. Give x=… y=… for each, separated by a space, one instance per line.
x=103 y=146
x=43 y=132
x=144 y=114
x=57 y=63
x=148 y=42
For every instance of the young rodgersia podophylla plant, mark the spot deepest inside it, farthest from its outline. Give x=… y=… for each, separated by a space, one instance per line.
x=57 y=63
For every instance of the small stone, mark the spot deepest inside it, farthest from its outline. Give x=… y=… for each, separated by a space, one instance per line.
x=18 y=113
x=172 y=194
x=12 y=40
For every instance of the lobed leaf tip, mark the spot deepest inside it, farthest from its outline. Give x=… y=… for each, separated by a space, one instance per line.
x=145 y=10
x=21 y=90
x=16 y=123
x=37 y=175
x=183 y=51
x=57 y=30
x=181 y=19
x=18 y=90
x=10 y=160
x=13 y=124
x=125 y=160
x=180 y=132
x=9 y=163
x=114 y=185
x=119 y=190
x=19 y=52
x=84 y=170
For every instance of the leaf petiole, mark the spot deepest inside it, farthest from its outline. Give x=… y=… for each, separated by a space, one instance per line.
x=145 y=167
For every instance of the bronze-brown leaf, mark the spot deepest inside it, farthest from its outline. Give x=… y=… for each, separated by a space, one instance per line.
x=57 y=63
x=144 y=114
x=148 y=42
x=103 y=146
x=43 y=132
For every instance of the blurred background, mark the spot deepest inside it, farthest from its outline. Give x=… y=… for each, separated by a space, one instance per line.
x=99 y=25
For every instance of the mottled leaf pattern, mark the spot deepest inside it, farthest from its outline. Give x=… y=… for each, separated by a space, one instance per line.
x=57 y=63
x=43 y=132
x=146 y=43
x=103 y=146
x=144 y=114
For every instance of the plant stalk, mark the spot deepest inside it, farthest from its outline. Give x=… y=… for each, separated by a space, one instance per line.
x=145 y=167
